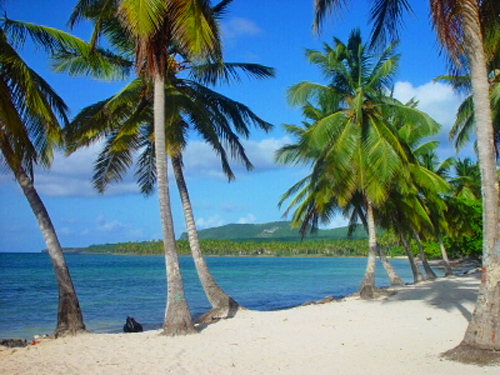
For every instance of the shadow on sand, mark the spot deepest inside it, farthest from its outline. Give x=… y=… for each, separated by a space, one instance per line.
x=210 y=317
x=443 y=293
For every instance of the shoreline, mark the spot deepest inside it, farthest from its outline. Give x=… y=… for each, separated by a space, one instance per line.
x=407 y=330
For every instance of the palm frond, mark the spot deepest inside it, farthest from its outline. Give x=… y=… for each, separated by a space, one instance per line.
x=387 y=19
x=227 y=73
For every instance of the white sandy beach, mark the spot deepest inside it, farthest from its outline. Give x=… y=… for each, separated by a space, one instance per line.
x=403 y=334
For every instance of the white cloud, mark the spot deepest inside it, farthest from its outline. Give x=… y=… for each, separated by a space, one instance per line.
x=103 y=225
x=336 y=222
x=440 y=102
x=201 y=160
x=239 y=26
x=247 y=219
x=213 y=221
x=71 y=176
x=261 y=154
x=434 y=98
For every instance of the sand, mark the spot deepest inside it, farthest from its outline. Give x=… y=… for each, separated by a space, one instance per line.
x=401 y=334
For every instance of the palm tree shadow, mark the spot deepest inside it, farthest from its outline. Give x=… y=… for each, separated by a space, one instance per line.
x=442 y=293
x=204 y=322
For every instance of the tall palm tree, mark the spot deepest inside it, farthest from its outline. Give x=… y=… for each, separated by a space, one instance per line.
x=190 y=103
x=155 y=26
x=124 y=120
x=313 y=199
x=357 y=150
x=460 y=26
x=464 y=125
x=30 y=116
x=358 y=213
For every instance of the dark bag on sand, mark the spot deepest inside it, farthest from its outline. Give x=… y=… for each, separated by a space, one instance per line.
x=131 y=325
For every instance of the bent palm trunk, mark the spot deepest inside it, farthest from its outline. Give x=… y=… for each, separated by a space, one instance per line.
x=394 y=278
x=447 y=267
x=389 y=270
x=69 y=315
x=417 y=274
x=428 y=270
x=367 y=288
x=484 y=328
x=223 y=306
x=177 y=316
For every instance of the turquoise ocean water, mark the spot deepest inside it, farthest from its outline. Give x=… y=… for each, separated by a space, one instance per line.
x=110 y=287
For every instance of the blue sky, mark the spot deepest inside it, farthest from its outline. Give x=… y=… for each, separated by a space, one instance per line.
x=273 y=33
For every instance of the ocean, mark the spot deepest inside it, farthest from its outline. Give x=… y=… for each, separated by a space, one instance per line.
x=112 y=287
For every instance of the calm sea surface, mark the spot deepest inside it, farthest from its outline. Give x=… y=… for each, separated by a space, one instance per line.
x=110 y=287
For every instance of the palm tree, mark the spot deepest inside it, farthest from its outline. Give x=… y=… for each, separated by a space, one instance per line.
x=467 y=181
x=30 y=116
x=464 y=125
x=355 y=150
x=155 y=26
x=436 y=205
x=125 y=120
x=313 y=198
x=358 y=213
x=460 y=26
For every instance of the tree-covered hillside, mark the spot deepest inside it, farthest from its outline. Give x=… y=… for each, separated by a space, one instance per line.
x=274 y=231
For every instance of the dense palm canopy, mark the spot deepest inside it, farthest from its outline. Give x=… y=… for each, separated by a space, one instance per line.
x=467 y=180
x=465 y=29
x=352 y=143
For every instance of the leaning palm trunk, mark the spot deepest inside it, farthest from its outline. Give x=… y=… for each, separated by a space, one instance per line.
x=69 y=315
x=447 y=267
x=391 y=273
x=484 y=329
x=394 y=278
x=177 y=316
x=428 y=270
x=367 y=288
x=223 y=306
x=417 y=274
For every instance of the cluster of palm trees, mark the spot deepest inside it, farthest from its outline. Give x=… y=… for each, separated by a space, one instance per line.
x=468 y=31
x=366 y=151
x=362 y=144
x=176 y=51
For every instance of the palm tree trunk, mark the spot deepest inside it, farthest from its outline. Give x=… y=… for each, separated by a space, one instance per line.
x=223 y=306
x=447 y=267
x=177 y=316
x=428 y=270
x=394 y=278
x=69 y=315
x=417 y=274
x=389 y=270
x=484 y=328
x=367 y=288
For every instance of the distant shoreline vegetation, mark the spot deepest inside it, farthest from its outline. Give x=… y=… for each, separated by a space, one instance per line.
x=278 y=239
x=330 y=248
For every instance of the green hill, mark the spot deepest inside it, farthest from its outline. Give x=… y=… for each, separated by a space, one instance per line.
x=274 y=231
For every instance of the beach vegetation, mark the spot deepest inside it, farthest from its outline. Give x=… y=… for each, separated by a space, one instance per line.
x=352 y=144
x=463 y=28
